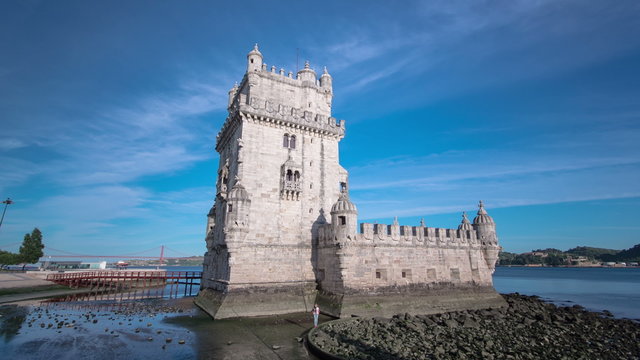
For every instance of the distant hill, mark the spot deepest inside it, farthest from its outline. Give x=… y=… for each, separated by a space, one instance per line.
x=592 y=252
x=628 y=255
x=553 y=257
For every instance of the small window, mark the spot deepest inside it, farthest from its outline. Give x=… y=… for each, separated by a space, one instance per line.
x=310 y=211
x=406 y=274
x=343 y=186
x=381 y=274
x=289 y=175
x=342 y=220
x=292 y=142
x=310 y=163
x=296 y=176
x=230 y=207
x=311 y=186
x=252 y=61
x=285 y=140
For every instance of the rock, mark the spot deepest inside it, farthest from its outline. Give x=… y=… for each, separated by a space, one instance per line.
x=275 y=347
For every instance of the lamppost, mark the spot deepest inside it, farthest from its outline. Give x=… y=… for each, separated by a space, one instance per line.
x=6 y=203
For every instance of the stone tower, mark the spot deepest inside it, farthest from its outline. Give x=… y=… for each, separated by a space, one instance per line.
x=278 y=178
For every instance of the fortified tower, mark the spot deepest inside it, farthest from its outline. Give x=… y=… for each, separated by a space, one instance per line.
x=278 y=178
x=283 y=234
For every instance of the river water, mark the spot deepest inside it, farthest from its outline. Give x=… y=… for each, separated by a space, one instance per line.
x=597 y=289
x=166 y=327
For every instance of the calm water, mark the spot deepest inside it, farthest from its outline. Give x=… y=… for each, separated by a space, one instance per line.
x=613 y=289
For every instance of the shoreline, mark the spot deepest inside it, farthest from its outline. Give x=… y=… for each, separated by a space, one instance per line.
x=528 y=328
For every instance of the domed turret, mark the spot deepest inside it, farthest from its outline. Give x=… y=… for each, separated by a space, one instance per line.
x=344 y=217
x=211 y=218
x=482 y=217
x=238 y=204
x=344 y=205
x=326 y=80
x=238 y=192
x=307 y=75
x=465 y=224
x=232 y=93
x=254 y=59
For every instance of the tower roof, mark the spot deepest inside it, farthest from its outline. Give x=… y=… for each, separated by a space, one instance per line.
x=325 y=73
x=482 y=217
x=465 y=224
x=343 y=204
x=238 y=192
x=255 y=51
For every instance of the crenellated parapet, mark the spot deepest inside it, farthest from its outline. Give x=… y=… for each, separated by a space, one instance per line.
x=402 y=235
x=274 y=97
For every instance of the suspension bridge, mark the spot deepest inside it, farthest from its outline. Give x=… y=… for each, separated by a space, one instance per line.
x=148 y=254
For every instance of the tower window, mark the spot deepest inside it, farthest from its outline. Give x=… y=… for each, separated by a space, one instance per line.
x=230 y=208
x=289 y=175
x=289 y=141
x=252 y=61
x=342 y=220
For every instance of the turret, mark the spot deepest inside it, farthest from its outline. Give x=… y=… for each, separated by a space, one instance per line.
x=344 y=217
x=211 y=219
x=238 y=205
x=232 y=93
x=326 y=80
x=484 y=225
x=307 y=75
x=486 y=229
x=465 y=224
x=254 y=59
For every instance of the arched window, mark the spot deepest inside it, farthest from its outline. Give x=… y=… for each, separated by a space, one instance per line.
x=285 y=141
x=296 y=176
x=292 y=142
x=289 y=175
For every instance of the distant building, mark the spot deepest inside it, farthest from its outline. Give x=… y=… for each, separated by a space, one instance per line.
x=282 y=233
x=73 y=265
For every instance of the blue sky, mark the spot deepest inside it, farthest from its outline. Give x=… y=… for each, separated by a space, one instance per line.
x=109 y=111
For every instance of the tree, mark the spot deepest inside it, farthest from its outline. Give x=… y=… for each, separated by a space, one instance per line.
x=31 y=249
x=8 y=258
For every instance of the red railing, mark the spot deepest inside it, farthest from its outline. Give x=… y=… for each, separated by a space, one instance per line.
x=79 y=278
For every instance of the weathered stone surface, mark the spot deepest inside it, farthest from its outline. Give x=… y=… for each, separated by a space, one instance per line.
x=282 y=220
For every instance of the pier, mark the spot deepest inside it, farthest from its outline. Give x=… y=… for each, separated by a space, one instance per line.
x=127 y=282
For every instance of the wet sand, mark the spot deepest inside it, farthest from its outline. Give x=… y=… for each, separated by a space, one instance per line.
x=144 y=329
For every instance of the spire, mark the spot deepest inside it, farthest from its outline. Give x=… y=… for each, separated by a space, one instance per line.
x=465 y=224
x=306 y=64
x=422 y=222
x=395 y=220
x=482 y=217
x=481 y=210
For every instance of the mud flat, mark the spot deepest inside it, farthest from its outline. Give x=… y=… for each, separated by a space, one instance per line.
x=527 y=328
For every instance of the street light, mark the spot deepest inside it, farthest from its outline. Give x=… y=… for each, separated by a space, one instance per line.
x=6 y=203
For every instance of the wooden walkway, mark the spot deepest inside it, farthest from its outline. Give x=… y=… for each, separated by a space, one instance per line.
x=126 y=279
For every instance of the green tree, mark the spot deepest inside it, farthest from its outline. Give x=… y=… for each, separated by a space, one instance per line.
x=31 y=249
x=8 y=258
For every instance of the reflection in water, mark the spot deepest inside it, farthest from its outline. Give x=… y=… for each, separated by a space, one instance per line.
x=172 y=290
x=11 y=319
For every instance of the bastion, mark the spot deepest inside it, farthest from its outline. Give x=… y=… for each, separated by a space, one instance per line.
x=282 y=233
